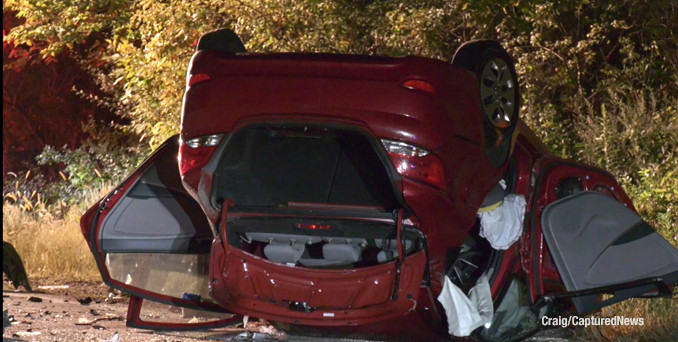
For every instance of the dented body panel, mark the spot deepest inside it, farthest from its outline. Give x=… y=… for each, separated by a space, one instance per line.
x=362 y=259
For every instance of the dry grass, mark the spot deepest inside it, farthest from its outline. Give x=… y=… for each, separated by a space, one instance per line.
x=660 y=322
x=52 y=247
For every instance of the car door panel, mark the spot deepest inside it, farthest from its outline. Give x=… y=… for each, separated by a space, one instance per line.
x=585 y=227
x=596 y=241
x=164 y=216
x=150 y=238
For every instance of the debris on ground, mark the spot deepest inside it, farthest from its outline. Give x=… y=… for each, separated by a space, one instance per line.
x=84 y=321
x=249 y=336
x=114 y=297
x=85 y=301
x=53 y=287
x=26 y=333
x=35 y=299
x=264 y=328
x=109 y=317
x=115 y=338
x=64 y=312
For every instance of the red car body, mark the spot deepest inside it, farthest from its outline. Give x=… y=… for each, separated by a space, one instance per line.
x=425 y=103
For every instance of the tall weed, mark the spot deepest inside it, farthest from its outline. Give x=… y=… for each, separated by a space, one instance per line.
x=635 y=137
x=52 y=246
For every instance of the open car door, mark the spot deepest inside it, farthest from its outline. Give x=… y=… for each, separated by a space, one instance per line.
x=152 y=240
x=597 y=242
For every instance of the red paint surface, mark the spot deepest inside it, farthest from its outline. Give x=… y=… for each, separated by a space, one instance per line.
x=249 y=285
x=366 y=93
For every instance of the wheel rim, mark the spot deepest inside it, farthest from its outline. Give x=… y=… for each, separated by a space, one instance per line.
x=498 y=91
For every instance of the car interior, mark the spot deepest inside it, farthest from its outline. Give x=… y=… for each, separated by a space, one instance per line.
x=272 y=166
x=322 y=168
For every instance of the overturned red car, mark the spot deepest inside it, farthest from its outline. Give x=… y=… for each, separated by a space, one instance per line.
x=334 y=195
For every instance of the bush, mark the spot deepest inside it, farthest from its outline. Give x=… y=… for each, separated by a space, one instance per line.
x=104 y=158
x=53 y=247
x=599 y=78
x=635 y=137
x=100 y=159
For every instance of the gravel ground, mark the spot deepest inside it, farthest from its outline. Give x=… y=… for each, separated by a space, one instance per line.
x=56 y=312
x=55 y=318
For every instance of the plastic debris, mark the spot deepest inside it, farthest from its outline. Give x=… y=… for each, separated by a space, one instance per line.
x=109 y=317
x=26 y=333
x=115 y=338
x=85 y=321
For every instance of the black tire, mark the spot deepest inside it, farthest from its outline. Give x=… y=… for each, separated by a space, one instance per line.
x=499 y=93
x=223 y=40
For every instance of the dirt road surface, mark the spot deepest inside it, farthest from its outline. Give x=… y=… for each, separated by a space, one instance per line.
x=57 y=313
x=55 y=318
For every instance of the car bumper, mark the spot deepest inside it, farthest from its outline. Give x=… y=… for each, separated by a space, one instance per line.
x=249 y=285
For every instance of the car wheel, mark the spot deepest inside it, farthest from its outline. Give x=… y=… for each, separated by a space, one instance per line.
x=499 y=93
x=223 y=40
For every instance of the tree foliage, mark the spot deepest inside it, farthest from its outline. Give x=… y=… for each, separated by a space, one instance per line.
x=599 y=77
x=41 y=106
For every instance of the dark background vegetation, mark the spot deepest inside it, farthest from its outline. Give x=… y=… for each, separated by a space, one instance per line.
x=90 y=87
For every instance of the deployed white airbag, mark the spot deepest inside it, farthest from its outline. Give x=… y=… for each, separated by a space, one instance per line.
x=503 y=226
x=465 y=314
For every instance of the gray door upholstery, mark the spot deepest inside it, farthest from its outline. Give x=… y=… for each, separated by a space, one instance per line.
x=597 y=241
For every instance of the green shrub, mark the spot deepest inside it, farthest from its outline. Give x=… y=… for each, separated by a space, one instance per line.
x=104 y=158
x=635 y=137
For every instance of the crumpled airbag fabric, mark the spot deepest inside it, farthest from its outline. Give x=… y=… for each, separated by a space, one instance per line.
x=465 y=314
x=503 y=226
